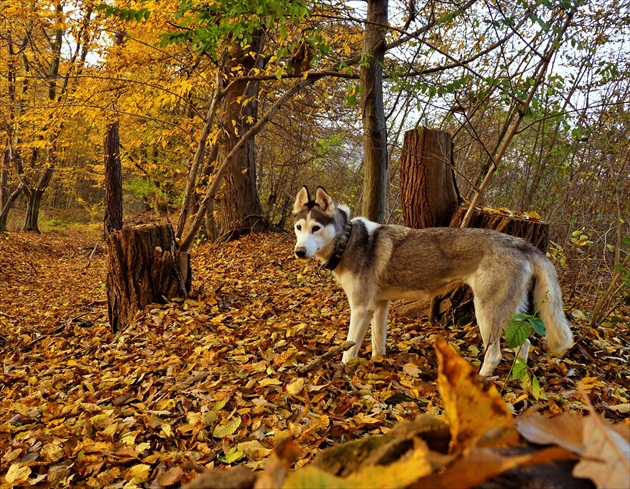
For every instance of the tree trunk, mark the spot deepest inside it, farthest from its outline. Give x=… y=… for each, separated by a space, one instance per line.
x=144 y=267
x=240 y=211
x=374 y=128
x=113 y=220
x=428 y=192
x=34 y=199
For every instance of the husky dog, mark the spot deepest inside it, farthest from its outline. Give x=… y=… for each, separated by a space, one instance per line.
x=376 y=263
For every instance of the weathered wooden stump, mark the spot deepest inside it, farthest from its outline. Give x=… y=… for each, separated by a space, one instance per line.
x=533 y=230
x=144 y=267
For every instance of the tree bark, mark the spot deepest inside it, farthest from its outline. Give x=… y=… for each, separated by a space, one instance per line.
x=534 y=231
x=240 y=211
x=145 y=267
x=428 y=191
x=113 y=219
x=34 y=198
x=374 y=128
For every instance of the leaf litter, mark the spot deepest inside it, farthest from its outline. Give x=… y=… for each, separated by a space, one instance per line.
x=225 y=378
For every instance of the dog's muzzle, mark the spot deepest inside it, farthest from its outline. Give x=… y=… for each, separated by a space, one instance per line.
x=300 y=252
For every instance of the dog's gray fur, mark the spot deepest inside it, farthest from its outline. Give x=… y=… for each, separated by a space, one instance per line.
x=385 y=262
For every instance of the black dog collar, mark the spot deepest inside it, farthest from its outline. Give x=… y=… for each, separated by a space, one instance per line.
x=340 y=247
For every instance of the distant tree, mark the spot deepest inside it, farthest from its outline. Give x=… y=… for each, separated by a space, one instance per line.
x=373 y=117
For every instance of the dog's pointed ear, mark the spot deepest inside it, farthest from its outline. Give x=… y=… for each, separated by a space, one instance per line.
x=301 y=199
x=324 y=200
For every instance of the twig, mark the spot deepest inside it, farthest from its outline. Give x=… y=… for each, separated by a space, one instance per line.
x=91 y=256
x=333 y=352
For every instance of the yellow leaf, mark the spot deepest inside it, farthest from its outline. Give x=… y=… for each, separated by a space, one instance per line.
x=17 y=474
x=254 y=449
x=269 y=381
x=473 y=407
x=51 y=452
x=295 y=387
x=400 y=473
x=221 y=431
x=167 y=430
x=138 y=473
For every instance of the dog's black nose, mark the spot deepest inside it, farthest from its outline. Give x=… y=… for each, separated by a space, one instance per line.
x=300 y=253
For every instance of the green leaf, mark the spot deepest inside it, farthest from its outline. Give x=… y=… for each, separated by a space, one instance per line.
x=223 y=430
x=538 y=325
x=233 y=455
x=517 y=332
x=519 y=371
x=535 y=387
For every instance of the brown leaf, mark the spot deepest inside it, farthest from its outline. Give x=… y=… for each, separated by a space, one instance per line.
x=564 y=430
x=475 y=410
x=284 y=454
x=482 y=464
x=606 y=459
x=171 y=477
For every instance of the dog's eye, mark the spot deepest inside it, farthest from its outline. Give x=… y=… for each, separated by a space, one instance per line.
x=298 y=227
x=316 y=228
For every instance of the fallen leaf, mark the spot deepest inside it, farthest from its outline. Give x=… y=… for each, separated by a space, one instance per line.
x=171 y=477
x=17 y=474
x=606 y=458
x=254 y=449
x=223 y=430
x=482 y=464
x=474 y=408
x=564 y=430
x=295 y=387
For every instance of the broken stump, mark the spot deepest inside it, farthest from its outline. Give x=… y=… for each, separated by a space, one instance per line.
x=144 y=267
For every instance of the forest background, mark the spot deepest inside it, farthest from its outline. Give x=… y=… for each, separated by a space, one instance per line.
x=185 y=81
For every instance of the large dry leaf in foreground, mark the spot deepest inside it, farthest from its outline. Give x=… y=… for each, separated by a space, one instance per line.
x=399 y=474
x=604 y=448
x=482 y=464
x=606 y=460
x=564 y=430
x=475 y=410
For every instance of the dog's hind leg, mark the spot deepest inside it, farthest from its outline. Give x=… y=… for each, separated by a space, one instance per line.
x=491 y=336
x=494 y=307
x=360 y=316
x=379 y=328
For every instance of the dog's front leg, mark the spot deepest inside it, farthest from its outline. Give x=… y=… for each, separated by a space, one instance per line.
x=379 y=328
x=360 y=317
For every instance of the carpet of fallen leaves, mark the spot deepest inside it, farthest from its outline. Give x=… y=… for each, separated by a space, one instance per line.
x=217 y=380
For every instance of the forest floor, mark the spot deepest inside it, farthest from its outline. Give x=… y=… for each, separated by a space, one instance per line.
x=214 y=380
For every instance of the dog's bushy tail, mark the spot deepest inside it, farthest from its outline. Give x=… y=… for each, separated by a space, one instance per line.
x=548 y=301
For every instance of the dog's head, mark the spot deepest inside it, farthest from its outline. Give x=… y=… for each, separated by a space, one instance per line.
x=315 y=227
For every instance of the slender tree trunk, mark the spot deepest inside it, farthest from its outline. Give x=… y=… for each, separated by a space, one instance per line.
x=240 y=211
x=374 y=128
x=6 y=199
x=34 y=199
x=113 y=220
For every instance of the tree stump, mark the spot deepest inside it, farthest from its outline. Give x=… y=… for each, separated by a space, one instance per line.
x=428 y=193
x=533 y=230
x=144 y=267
